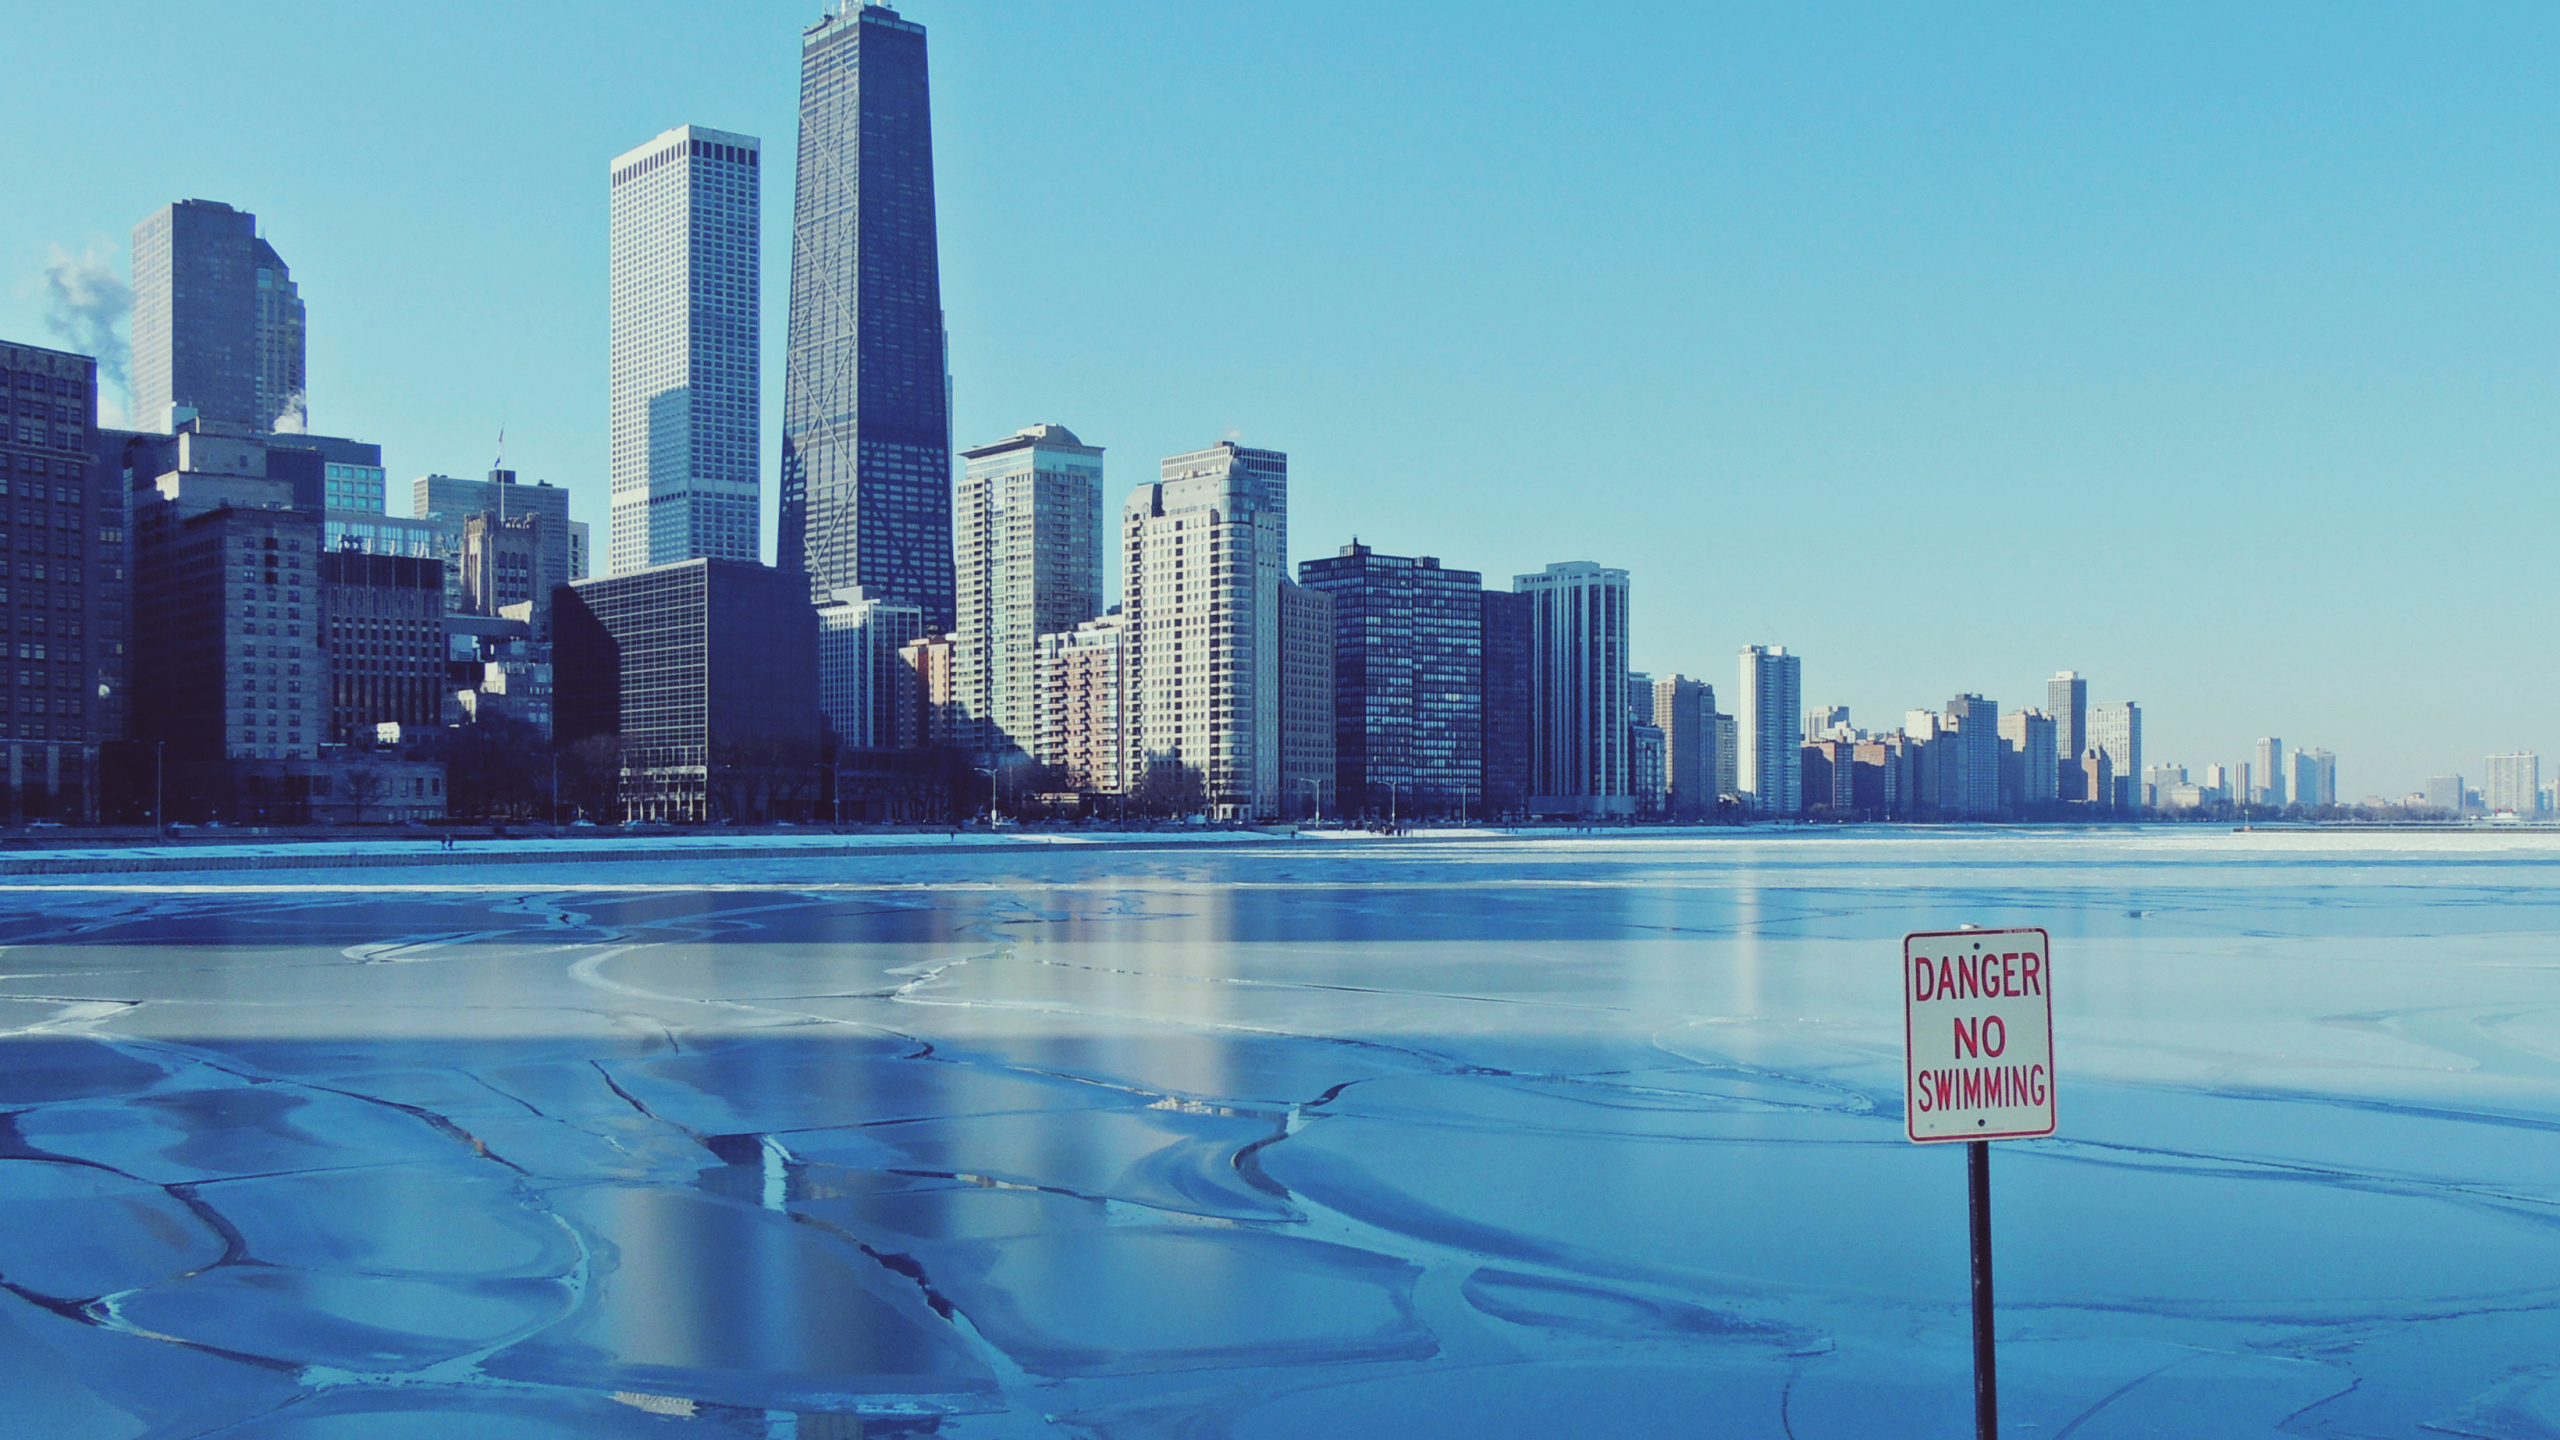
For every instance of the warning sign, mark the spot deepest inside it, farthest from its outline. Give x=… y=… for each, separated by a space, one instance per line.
x=1977 y=1008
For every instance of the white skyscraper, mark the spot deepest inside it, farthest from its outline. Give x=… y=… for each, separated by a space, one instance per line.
x=1580 y=761
x=683 y=349
x=2116 y=731
x=1766 y=715
x=1204 y=552
x=1027 y=538
x=2514 y=786
x=2269 y=765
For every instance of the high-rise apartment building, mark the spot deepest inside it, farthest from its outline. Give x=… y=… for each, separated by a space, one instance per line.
x=1579 y=762
x=865 y=691
x=2514 y=786
x=1728 y=736
x=936 y=723
x=1766 y=707
x=1083 y=677
x=866 y=417
x=1205 y=550
x=217 y=322
x=2029 y=734
x=682 y=350
x=1307 y=630
x=704 y=674
x=1686 y=710
x=1645 y=779
x=1408 y=681
x=2445 y=793
x=1827 y=722
x=1507 y=618
x=2270 y=764
x=2315 y=779
x=1027 y=543
x=1975 y=791
x=2117 y=730
x=2066 y=699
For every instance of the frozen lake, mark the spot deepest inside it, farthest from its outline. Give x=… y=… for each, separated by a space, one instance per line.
x=1341 y=1138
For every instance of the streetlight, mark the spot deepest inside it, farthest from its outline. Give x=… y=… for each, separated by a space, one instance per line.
x=991 y=794
x=1315 y=787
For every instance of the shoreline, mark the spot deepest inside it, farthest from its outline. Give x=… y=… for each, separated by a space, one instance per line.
x=21 y=858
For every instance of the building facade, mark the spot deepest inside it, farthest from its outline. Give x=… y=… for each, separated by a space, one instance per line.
x=1645 y=765
x=682 y=349
x=933 y=662
x=866 y=691
x=2117 y=730
x=2066 y=699
x=1027 y=543
x=2030 y=736
x=2315 y=780
x=1973 y=790
x=1769 y=699
x=1083 y=675
x=443 y=504
x=1205 y=551
x=702 y=680
x=1408 y=682
x=217 y=322
x=2514 y=785
x=1685 y=710
x=1307 y=709
x=866 y=417
x=500 y=560
x=382 y=640
x=227 y=661
x=64 y=583
x=1507 y=619
x=2269 y=763
x=1579 y=760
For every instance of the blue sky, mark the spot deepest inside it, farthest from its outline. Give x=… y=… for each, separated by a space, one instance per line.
x=2209 y=352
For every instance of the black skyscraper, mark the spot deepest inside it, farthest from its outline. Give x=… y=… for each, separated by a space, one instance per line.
x=866 y=428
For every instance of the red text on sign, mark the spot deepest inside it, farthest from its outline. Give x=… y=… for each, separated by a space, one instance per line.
x=1976 y=1087
x=1977 y=977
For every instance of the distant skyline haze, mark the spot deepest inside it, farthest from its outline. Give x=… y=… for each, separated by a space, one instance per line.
x=2203 y=352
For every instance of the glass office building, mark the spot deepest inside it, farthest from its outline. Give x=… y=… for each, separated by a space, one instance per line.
x=866 y=413
x=707 y=674
x=217 y=321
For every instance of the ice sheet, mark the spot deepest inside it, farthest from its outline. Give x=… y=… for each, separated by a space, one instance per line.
x=1474 y=1136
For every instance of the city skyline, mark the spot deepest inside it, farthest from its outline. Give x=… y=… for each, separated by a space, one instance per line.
x=430 y=369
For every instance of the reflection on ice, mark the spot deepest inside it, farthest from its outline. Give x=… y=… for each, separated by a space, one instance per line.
x=1435 y=1139
x=723 y=1302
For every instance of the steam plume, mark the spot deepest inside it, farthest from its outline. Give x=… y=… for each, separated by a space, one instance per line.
x=84 y=302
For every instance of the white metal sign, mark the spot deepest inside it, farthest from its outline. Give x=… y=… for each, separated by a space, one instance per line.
x=1977 y=1011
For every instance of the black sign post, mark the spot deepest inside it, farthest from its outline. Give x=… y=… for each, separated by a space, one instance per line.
x=1986 y=1380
